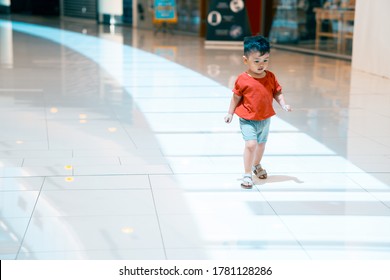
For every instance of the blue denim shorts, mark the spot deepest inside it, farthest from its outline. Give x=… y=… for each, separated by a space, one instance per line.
x=255 y=130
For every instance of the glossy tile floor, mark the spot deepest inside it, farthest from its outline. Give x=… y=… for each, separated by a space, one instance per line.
x=113 y=146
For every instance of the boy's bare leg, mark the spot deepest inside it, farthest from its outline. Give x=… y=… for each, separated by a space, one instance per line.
x=260 y=147
x=249 y=155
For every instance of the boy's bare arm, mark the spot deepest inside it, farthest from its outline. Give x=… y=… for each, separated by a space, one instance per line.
x=279 y=97
x=233 y=104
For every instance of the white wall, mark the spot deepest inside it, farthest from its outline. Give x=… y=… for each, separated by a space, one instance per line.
x=371 y=41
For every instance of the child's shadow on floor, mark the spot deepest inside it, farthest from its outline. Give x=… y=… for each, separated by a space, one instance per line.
x=277 y=179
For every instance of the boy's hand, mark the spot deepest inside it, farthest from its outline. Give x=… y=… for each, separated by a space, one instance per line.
x=228 y=118
x=287 y=108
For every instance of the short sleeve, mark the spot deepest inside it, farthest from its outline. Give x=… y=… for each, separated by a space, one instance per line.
x=278 y=87
x=237 y=87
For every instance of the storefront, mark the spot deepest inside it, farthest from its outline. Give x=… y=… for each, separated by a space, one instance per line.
x=323 y=27
x=317 y=26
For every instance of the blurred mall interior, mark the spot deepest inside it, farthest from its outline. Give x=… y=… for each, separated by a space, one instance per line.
x=308 y=25
x=114 y=144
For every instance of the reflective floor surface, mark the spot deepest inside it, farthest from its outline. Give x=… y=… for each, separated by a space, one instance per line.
x=113 y=146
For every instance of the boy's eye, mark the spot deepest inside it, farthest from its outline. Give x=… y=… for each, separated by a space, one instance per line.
x=258 y=61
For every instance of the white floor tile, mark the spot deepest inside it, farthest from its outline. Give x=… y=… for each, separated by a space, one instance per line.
x=47 y=234
x=384 y=197
x=198 y=182
x=12 y=231
x=187 y=164
x=99 y=182
x=131 y=169
x=184 y=123
x=307 y=182
x=212 y=144
x=372 y=181
x=98 y=203
x=143 y=160
x=21 y=184
x=261 y=253
x=77 y=161
x=240 y=231
x=178 y=92
x=21 y=143
x=353 y=253
x=11 y=162
x=199 y=105
x=35 y=171
x=126 y=151
x=210 y=202
x=17 y=204
x=8 y=256
x=34 y=153
x=339 y=231
x=117 y=254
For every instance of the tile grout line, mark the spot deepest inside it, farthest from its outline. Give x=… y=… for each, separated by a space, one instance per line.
x=369 y=192
x=158 y=218
x=288 y=229
x=29 y=221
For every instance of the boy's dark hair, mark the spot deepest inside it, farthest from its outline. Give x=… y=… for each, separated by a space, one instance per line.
x=256 y=43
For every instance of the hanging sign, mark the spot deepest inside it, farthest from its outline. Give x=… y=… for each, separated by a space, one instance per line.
x=165 y=11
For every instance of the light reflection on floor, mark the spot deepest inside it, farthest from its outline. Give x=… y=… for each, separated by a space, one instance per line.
x=126 y=155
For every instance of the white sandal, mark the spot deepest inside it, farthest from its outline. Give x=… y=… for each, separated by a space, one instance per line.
x=247 y=182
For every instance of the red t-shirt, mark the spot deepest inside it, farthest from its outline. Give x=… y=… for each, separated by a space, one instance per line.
x=257 y=96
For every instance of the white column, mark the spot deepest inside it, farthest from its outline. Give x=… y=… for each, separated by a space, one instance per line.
x=6 y=49
x=135 y=13
x=371 y=39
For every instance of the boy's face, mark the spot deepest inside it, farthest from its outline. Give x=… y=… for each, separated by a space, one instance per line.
x=257 y=63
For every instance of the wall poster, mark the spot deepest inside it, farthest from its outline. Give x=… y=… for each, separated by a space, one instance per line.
x=227 y=20
x=165 y=11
